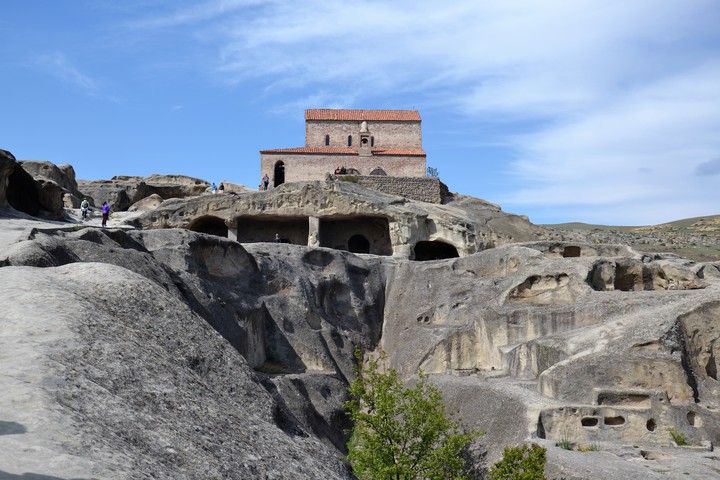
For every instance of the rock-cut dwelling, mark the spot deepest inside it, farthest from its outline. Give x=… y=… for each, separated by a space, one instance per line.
x=365 y=142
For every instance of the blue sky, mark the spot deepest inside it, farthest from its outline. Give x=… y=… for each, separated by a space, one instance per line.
x=599 y=111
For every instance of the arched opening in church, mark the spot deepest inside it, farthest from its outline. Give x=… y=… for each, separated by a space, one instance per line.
x=279 y=174
x=210 y=225
x=351 y=233
x=358 y=244
x=434 y=250
x=378 y=171
x=293 y=230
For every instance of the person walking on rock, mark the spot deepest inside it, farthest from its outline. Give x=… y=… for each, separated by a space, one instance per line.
x=265 y=181
x=84 y=206
x=105 y=213
x=221 y=188
x=213 y=189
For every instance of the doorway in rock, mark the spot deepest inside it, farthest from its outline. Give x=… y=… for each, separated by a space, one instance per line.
x=434 y=250
x=22 y=192
x=293 y=230
x=279 y=174
x=358 y=244
x=210 y=225
x=356 y=234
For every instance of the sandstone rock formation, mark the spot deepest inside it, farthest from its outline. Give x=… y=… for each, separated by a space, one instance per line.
x=39 y=197
x=346 y=216
x=122 y=191
x=163 y=352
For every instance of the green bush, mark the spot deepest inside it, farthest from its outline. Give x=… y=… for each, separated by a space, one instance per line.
x=520 y=463
x=400 y=432
x=348 y=178
x=678 y=437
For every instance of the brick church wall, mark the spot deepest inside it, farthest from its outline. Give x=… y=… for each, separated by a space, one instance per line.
x=387 y=134
x=300 y=167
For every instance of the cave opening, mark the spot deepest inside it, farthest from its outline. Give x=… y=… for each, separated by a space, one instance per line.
x=434 y=250
x=210 y=225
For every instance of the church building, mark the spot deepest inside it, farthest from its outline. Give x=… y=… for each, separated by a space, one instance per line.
x=363 y=142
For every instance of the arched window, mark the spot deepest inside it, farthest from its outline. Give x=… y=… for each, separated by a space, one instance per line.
x=372 y=141
x=349 y=140
x=378 y=171
x=327 y=140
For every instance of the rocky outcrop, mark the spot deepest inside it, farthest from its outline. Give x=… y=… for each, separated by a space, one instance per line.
x=7 y=167
x=330 y=214
x=39 y=197
x=123 y=191
x=171 y=353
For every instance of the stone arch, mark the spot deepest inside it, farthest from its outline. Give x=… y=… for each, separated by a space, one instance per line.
x=358 y=244
x=378 y=171
x=209 y=224
x=434 y=250
x=353 y=171
x=279 y=173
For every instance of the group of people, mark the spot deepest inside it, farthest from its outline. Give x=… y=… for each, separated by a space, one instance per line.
x=264 y=182
x=217 y=189
x=105 y=210
x=340 y=170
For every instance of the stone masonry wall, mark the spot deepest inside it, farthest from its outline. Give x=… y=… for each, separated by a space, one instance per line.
x=315 y=167
x=387 y=134
x=424 y=189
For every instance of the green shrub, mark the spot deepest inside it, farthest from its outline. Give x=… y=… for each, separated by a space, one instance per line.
x=400 y=432
x=520 y=463
x=679 y=437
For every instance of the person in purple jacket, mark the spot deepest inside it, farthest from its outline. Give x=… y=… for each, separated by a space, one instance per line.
x=105 y=213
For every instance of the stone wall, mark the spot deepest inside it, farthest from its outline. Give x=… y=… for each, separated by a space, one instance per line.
x=387 y=134
x=424 y=189
x=302 y=167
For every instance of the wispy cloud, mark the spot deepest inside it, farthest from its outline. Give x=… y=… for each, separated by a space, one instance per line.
x=57 y=65
x=711 y=167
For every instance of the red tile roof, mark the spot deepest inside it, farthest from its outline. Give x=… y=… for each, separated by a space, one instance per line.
x=360 y=115
x=404 y=152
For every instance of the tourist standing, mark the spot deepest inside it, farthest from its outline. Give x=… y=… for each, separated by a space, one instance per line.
x=213 y=189
x=266 y=181
x=221 y=188
x=105 y=213
x=84 y=206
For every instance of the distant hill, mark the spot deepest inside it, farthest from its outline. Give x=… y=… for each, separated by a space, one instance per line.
x=696 y=238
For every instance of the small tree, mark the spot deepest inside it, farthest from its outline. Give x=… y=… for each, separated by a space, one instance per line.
x=432 y=172
x=400 y=432
x=520 y=463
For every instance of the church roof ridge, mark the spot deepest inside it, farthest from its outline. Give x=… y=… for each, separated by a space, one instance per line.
x=348 y=151
x=360 y=115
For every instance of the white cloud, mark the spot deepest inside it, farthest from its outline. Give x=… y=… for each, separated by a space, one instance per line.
x=57 y=65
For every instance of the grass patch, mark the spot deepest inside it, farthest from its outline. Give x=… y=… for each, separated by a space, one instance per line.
x=678 y=437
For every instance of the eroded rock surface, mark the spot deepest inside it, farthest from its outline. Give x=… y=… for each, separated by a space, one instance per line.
x=170 y=353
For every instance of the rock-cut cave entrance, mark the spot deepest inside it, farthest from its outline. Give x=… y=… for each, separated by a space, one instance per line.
x=434 y=250
x=210 y=225
x=358 y=244
x=22 y=192
x=293 y=230
x=356 y=234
